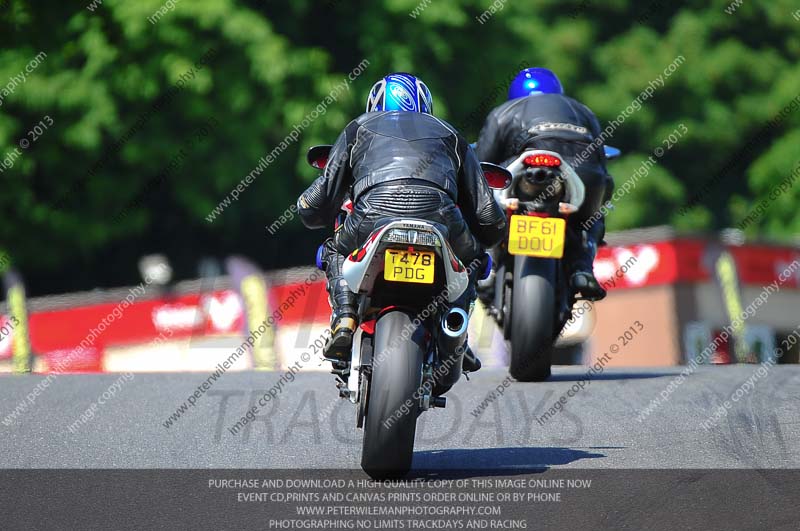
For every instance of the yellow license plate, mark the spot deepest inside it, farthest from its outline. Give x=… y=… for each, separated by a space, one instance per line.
x=407 y=266
x=534 y=236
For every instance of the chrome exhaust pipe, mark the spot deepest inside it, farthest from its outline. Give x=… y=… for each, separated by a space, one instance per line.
x=451 y=346
x=455 y=323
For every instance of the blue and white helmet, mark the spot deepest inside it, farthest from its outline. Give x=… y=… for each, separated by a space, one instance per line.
x=400 y=92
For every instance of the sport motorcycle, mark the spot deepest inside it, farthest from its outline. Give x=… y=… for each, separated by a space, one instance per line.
x=532 y=297
x=409 y=347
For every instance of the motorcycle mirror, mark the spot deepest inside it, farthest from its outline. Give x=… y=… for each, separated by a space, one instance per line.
x=317 y=156
x=612 y=152
x=497 y=177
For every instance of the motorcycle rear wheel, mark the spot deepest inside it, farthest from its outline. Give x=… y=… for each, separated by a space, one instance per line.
x=533 y=310
x=388 y=445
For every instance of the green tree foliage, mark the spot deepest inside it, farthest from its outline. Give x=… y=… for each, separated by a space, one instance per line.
x=129 y=102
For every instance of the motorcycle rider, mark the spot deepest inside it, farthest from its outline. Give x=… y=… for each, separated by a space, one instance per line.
x=538 y=115
x=398 y=160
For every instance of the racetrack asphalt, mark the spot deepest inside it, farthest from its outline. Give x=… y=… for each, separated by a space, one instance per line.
x=601 y=426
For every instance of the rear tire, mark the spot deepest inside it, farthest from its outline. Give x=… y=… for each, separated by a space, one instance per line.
x=533 y=310
x=387 y=451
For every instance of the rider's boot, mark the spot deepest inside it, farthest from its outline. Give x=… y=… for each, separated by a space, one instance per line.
x=343 y=325
x=470 y=361
x=582 y=245
x=344 y=318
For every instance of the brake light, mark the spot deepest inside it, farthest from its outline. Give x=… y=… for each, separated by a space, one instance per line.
x=542 y=160
x=412 y=236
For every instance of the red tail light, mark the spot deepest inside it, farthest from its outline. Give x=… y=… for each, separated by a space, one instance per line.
x=542 y=160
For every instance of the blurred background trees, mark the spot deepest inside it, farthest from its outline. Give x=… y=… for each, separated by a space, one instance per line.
x=273 y=62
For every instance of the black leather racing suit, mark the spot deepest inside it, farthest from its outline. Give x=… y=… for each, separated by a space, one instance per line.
x=399 y=164
x=557 y=123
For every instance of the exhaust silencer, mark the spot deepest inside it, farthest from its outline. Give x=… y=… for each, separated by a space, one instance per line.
x=455 y=322
x=542 y=184
x=451 y=340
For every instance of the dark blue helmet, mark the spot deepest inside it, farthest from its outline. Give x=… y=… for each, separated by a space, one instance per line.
x=534 y=81
x=400 y=92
